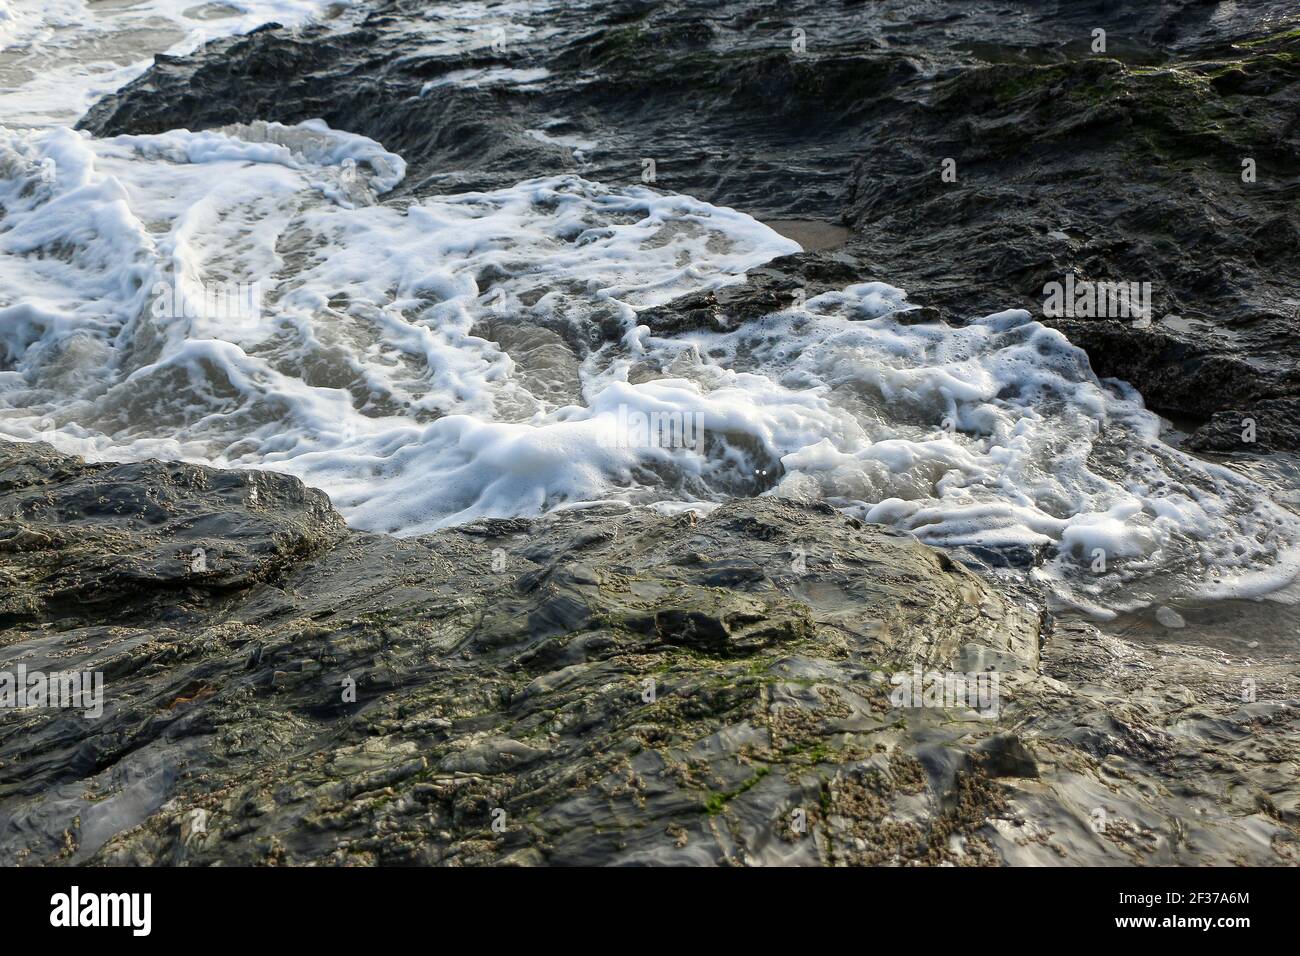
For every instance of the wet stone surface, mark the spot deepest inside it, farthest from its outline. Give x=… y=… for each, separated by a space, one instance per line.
x=608 y=685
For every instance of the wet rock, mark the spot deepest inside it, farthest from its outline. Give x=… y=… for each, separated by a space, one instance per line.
x=601 y=700
x=161 y=534
x=1270 y=425
x=923 y=315
x=780 y=284
x=1006 y=755
x=724 y=309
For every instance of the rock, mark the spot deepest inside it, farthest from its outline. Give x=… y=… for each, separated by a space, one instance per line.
x=81 y=546
x=976 y=659
x=1005 y=755
x=1269 y=425
x=724 y=309
x=599 y=701
x=194 y=825
x=922 y=315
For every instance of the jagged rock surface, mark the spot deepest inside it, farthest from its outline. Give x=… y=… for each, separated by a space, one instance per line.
x=503 y=675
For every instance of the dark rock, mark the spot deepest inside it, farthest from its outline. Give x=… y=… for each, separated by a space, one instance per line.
x=454 y=665
x=924 y=315
x=411 y=705
x=1269 y=425
x=1005 y=755
x=159 y=534
x=722 y=310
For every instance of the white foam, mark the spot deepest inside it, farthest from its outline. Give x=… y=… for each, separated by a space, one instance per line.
x=374 y=370
x=431 y=362
x=579 y=146
x=997 y=435
x=488 y=76
x=63 y=55
x=366 y=358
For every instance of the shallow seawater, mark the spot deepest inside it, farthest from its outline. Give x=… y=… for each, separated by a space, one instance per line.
x=812 y=234
x=250 y=297
x=1266 y=628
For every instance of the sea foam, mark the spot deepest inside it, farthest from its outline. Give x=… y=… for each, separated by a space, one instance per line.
x=428 y=362
x=60 y=56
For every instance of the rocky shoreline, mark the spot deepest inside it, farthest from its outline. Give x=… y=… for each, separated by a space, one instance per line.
x=1124 y=165
x=625 y=685
x=600 y=686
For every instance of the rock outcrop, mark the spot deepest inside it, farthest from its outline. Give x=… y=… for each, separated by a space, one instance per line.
x=599 y=686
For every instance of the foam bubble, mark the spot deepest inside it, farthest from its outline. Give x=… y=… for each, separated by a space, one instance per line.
x=430 y=362
x=63 y=55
